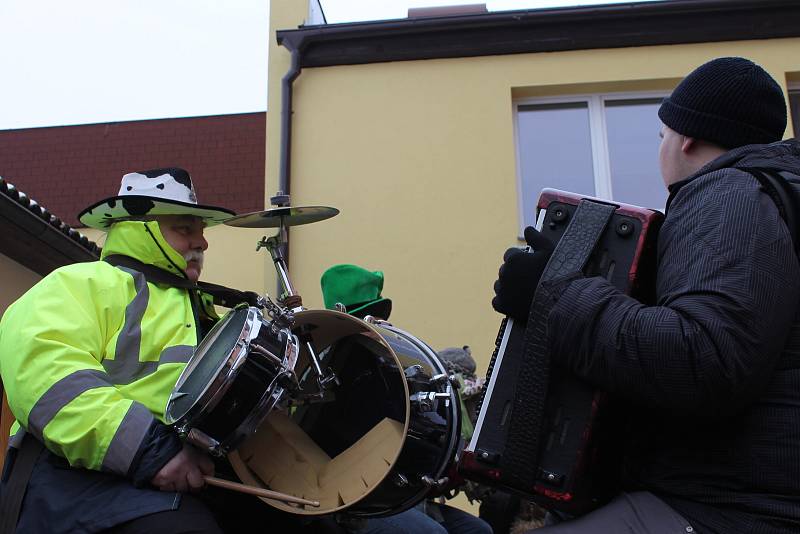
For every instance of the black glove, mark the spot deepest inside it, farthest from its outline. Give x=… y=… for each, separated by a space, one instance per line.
x=519 y=275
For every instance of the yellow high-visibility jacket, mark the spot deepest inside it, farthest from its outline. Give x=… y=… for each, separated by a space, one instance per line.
x=90 y=355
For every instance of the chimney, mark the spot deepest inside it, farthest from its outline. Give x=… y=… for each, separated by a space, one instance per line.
x=446 y=11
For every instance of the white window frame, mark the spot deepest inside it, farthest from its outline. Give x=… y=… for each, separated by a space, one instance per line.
x=601 y=163
x=792 y=87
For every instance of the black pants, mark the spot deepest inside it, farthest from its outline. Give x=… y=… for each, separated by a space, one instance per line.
x=192 y=517
x=640 y=512
x=217 y=511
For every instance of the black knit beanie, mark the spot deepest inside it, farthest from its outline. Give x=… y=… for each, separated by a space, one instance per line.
x=729 y=101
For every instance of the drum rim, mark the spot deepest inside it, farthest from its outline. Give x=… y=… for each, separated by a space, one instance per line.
x=455 y=432
x=215 y=390
x=454 y=439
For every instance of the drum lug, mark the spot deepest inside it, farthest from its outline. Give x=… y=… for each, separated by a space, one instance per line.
x=370 y=319
x=400 y=480
x=433 y=483
x=440 y=379
x=414 y=372
x=281 y=316
x=328 y=380
x=425 y=401
x=204 y=441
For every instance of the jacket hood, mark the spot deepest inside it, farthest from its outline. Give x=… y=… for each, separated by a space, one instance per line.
x=780 y=156
x=143 y=241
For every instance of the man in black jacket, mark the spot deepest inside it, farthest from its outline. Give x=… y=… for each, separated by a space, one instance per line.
x=713 y=368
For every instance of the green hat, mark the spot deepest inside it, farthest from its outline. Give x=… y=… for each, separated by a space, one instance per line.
x=357 y=288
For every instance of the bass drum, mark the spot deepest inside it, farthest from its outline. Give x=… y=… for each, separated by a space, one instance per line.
x=375 y=442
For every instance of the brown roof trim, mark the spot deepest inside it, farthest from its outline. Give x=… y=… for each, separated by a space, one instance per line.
x=131 y=121
x=37 y=239
x=544 y=30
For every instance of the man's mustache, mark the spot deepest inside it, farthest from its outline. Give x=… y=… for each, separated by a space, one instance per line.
x=196 y=256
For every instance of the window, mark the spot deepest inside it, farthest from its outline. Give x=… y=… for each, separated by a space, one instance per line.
x=794 y=107
x=600 y=145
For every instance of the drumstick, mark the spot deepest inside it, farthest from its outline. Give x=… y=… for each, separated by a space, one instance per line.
x=259 y=492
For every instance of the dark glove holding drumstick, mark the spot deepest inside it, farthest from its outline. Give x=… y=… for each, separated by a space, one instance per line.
x=519 y=275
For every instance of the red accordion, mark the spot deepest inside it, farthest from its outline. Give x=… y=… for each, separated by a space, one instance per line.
x=541 y=431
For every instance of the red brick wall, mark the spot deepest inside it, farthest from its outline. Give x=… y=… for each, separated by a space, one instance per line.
x=66 y=168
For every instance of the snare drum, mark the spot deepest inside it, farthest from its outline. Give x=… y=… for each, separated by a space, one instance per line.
x=237 y=374
x=377 y=443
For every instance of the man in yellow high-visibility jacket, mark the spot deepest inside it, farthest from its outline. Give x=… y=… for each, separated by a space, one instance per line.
x=89 y=357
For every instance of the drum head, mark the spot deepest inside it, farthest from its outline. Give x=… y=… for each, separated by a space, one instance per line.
x=337 y=449
x=206 y=364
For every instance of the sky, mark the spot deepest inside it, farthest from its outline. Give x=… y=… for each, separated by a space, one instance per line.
x=89 y=61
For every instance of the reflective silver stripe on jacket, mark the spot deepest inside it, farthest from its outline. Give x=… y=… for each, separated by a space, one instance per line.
x=62 y=393
x=176 y=354
x=124 y=368
x=127 y=439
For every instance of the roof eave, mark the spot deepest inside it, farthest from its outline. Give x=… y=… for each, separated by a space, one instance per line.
x=544 y=30
x=34 y=243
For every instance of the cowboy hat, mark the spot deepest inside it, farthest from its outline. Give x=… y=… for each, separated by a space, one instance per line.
x=155 y=192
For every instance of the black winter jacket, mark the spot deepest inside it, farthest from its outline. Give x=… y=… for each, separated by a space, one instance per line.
x=712 y=372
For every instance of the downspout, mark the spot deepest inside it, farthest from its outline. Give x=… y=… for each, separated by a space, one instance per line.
x=282 y=197
x=284 y=179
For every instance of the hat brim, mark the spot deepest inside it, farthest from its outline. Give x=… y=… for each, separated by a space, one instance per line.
x=106 y=212
x=380 y=308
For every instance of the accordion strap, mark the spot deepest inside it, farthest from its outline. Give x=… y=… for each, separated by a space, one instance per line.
x=525 y=427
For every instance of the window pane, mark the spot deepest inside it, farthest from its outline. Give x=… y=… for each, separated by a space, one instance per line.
x=633 y=127
x=555 y=150
x=794 y=106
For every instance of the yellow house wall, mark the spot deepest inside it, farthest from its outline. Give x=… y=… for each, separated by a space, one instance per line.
x=16 y=281
x=419 y=156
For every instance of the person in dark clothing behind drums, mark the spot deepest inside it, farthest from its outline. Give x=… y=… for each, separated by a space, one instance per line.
x=89 y=357
x=711 y=372
x=359 y=290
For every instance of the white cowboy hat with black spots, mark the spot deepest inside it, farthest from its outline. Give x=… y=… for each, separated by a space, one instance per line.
x=155 y=192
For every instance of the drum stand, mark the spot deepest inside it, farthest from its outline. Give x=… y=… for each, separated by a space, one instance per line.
x=282 y=217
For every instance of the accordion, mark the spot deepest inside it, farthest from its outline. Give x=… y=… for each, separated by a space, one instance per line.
x=543 y=432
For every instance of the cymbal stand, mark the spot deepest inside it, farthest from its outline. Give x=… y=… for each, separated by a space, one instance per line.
x=325 y=379
x=275 y=246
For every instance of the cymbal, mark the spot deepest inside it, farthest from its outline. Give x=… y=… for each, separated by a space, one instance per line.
x=291 y=216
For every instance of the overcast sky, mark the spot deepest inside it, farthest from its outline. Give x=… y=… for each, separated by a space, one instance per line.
x=87 y=61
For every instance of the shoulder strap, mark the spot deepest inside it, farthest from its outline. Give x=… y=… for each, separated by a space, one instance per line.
x=781 y=193
x=17 y=483
x=223 y=296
